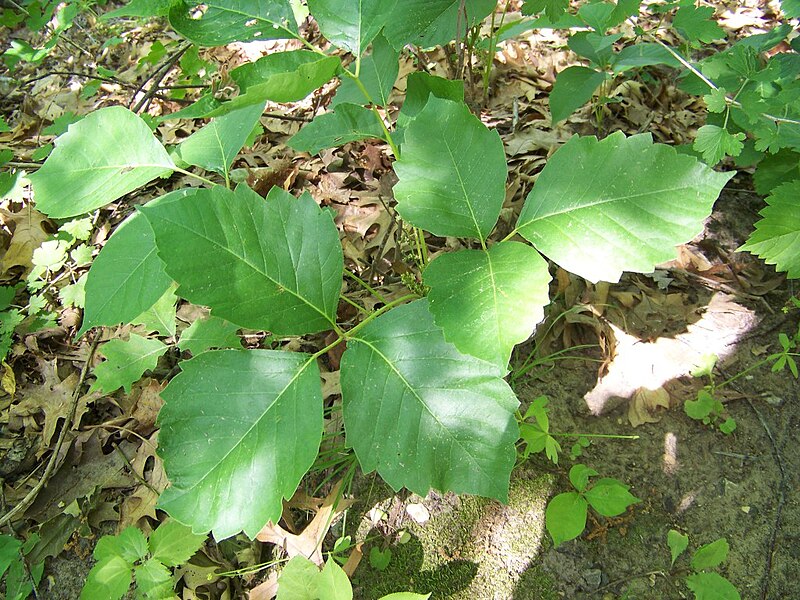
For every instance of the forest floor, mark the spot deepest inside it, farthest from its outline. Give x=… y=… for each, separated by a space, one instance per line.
x=648 y=331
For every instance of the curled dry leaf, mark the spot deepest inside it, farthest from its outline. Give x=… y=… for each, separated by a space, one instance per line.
x=644 y=403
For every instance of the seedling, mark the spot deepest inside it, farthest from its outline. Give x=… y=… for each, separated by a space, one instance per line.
x=565 y=516
x=702 y=581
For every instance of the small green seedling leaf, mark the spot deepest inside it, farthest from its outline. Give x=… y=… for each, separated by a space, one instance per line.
x=380 y=559
x=677 y=543
x=610 y=497
x=716 y=100
x=109 y=578
x=728 y=426
x=405 y=596
x=711 y=555
x=701 y=408
x=173 y=543
x=705 y=365
x=715 y=143
x=579 y=476
x=102 y=157
x=712 y=586
x=153 y=581
x=126 y=362
x=9 y=552
x=565 y=517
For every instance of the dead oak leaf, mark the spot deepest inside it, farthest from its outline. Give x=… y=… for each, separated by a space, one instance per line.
x=644 y=404
x=309 y=542
x=29 y=233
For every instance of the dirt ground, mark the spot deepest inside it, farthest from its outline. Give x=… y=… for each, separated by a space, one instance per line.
x=689 y=477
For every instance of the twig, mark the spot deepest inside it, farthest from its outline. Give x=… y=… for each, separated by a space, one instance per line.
x=156 y=78
x=51 y=464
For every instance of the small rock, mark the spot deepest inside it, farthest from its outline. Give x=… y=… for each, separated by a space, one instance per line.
x=593 y=578
x=419 y=513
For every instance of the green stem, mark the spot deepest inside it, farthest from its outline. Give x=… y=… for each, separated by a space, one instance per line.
x=422 y=247
x=355 y=305
x=365 y=285
x=610 y=436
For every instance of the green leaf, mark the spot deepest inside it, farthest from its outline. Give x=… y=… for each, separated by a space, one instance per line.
x=220 y=22
x=302 y=580
x=379 y=559
x=273 y=264
x=74 y=294
x=775 y=169
x=420 y=86
x=281 y=77
x=452 y=172
x=153 y=581
x=173 y=543
x=790 y=8
x=239 y=429
x=565 y=517
x=9 y=552
x=488 y=301
x=126 y=362
x=777 y=235
x=429 y=23
x=715 y=143
x=702 y=407
x=347 y=123
x=596 y=47
x=610 y=497
x=573 y=88
x=109 y=579
x=161 y=316
x=410 y=398
x=102 y=157
x=378 y=73
x=554 y=9
x=126 y=277
x=130 y=545
x=208 y=333
x=644 y=54
x=214 y=147
x=351 y=25
x=140 y=8
x=621 y=204
x=711 y=586
x=80 y=229
x=677 y=543
x=711 y=555
x=579 y=476
x=697 y=24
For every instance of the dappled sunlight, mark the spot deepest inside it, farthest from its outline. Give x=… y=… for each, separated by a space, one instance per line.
x=649 y=365
x=670 y=460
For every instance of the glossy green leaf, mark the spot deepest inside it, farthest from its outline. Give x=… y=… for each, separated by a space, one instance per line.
x=214 y=146
x=126 y=277
x=351 y=25
x=677 y=543
x=452 y=172
x=347 y=123
x=421 y=413
x=239 y=429
x=273 y=264
x=777 y=235
x=102 y=157
x=109 y=579
x=573 y=88
x=610 y=497
x=379 y=71
x=173 y=543
x=126 y=362
x=711 y=586
x=620 y=204
x=644 y=54
x=210 y=332
x=153 y=581
x=420 y=86
x=129 y=545
x=488 y=301
x=430 y=23
x=711 y=555
x=220 y=22
x=579 y=475
x=565 y=517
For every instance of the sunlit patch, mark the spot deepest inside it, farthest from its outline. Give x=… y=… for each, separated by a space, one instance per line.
x=250 y=22
x=650 y=365
x=670 y=466
x=686 y=502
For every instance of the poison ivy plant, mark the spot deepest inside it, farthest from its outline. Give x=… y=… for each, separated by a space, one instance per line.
x=704 y=583
x=424 y=400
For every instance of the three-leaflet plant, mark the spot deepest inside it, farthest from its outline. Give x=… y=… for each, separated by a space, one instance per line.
x=424 y=399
